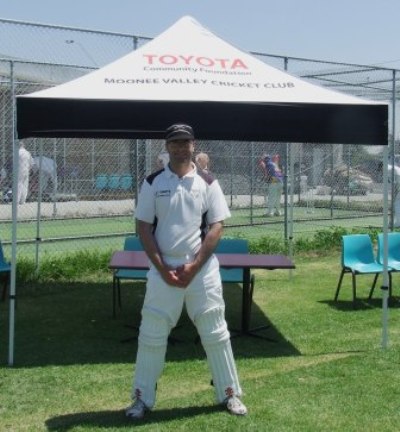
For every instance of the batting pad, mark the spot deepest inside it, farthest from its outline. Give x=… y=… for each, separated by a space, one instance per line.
x=150 y=359
x=215 y=338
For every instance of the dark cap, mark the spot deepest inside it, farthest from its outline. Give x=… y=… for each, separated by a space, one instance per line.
x=179 y=132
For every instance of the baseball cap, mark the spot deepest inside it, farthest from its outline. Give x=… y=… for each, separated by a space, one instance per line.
x=178 y=132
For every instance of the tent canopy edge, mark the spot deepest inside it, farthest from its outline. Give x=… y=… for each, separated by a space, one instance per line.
x=314 y=123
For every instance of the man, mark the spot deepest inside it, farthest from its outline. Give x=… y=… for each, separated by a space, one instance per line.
x=25 y=163
x=202 y=161
x=162 y=160
x=393 y=174
x=48 y=172
x=180 y=214
x=274 y=179
x=396 y=194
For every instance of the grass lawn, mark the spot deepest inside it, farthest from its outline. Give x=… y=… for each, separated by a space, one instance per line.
x=305 y=220
x=325 y=372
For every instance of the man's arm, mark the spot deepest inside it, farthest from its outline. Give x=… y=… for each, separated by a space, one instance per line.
x=145 y=231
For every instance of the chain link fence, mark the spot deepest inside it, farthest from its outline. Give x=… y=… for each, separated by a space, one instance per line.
x=85 y=195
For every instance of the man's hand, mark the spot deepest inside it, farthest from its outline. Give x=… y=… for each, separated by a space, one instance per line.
x=171 y=277
x=186 y=273
x=181 y=276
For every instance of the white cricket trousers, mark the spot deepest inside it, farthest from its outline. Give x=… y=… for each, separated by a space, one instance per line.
x=274 y=194
x=161 y=311
x=23 y=185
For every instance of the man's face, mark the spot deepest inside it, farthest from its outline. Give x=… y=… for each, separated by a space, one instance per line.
x=180 y=150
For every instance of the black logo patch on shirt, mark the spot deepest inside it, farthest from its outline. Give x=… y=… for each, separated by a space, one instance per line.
x=163 y=193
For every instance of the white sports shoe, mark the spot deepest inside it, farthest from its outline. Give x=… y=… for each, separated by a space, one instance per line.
x=235 y=406
x=137 y=410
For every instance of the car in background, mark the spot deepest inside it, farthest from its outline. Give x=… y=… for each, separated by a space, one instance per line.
x=345 y=180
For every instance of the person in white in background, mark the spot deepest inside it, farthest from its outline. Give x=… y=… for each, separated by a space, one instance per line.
x=25 y=163
x=396 y=194
x=273 y=177
x=5 y=190
x=162 y=160
x=202 y=161
x=48 y=172
x=275 y=188
x=3 y=176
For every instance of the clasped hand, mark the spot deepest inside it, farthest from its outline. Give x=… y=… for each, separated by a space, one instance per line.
x=180 y=276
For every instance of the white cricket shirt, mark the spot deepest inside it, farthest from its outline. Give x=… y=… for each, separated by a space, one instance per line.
x=181 y=209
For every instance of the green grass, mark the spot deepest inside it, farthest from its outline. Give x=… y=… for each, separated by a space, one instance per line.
x=59 y=228
x=118 y=226
x=327 y=371
x=91 y=226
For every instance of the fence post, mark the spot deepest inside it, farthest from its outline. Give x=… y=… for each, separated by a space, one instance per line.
x=14 y=222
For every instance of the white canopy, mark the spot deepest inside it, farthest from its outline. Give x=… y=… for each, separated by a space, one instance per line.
x=189 y=74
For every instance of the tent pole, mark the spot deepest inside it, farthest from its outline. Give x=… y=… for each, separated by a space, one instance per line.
x=392 y=151
x=385 y=290
x=252 y=177
x=291 y=204
x=137 y=180
x=39 y=207
x=285 y=198
x=11 y=338
x=289 y=215
x=54 y=179
x=385 y=284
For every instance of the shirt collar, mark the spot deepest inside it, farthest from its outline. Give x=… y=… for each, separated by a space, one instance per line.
x=191 y=173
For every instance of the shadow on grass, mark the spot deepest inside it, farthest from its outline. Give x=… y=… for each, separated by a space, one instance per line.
x=104 y=419
x=71 y=323
x=361 y=304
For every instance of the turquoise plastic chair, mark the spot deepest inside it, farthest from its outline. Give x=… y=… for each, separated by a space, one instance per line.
x=358 y=258
x=126 y=182
x=101 y=182
x=114 y=182
x=132 y=243
x=393 y=256
x=234 y=275
x=5 y=272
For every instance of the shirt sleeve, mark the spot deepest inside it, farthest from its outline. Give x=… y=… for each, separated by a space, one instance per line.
x=218 y=208
x=145 y=207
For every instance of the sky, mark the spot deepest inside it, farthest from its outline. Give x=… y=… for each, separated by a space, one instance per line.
x=350 y=31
